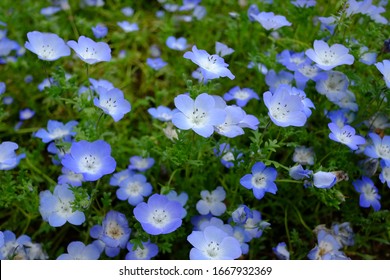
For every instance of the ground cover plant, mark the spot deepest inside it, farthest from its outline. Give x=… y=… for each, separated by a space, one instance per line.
x=194 y=129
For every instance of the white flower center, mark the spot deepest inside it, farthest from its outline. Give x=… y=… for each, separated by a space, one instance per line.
x=280 y=111
x=228 y=156
x=383 y=151
x=199 y=117
x=308 y=71
x=212 y=249
x=345 y=137
x=259 y=180
x=89 y=53
x=369 y=192
x=141 y=253
x=133 y=188
x=143 y=163
x=64 y=208
x=386 y=173
x=89 y=163
x=241 y=94
x=209 y=63
x=58 y=133
x=113 y=230
x=159 y=218
x=328 y=57
x=46 y=51
x=324 y=248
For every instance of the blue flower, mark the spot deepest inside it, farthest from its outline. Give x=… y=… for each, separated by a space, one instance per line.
x=56 y=207
x=127 y=26
x=1 y=239
x=303 y=155
x=2 y=87
x=148 y=251
x=112 y=102
x=241 y=214
x=327 y=248
x=368 y=193
x=274 y=80
x=343 y=233
x=333 y=84
x=366 y=57
x=51 y=10
x=159 y=215
x=304 y=3
x=56 y=130
x=181 y=198
x=281 y=251
x=324 y=180
x=99 y=31
x=213 y=244
x=242 y=96
x=270 y=20
x=212 y=202
x=26 y=114
x=127 y=11
x=284 y=108
x=384 y=176
x=222 y=50
x=162 y=113
x=133 y=189
x=297 y=172
x=92 y=159
x=291 y=60
x=8 y=158
x=141 y=164
x=329 y=57
x=261 y=180
x=179 y=44
x=113 y=234
x=118 y=177
x=89 y=51
x=47 y=46
x=77 y=250
x=70 y=178
x=211 y=66
x=232 y=126
x=228 y=155
x=380 y=147
x=384 y=68
x=345 y=135
x=200 y=115
x=156 y=63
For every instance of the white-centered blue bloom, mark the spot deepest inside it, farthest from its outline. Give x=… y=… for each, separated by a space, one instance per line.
x=211 y=202
x=345 y=135
x=242 y=96
x=148 y=251
x=56 y=130
x=112 y=102
x=213 y=244
x=200 y=115
x=77 y=250
x=324 y=180
x=222 y=49
x=8 y=158
x=281 y=251
x=327 y=248
x=127 y=26
x=162 y=113
x=90 y=51
x=211 y=66
x=133 y=189
x=270 y=21
x=384 y=176
x=380 y=147
x=178 y=44
x=261 y=180
x=99 y=31
x=56 y=207
x=384 y=68
x=329 y=57
x=156 y=63
x=368 y=193
x=140 y=163
x=47 y=46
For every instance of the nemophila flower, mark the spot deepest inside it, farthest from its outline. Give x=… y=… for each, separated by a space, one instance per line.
x=8 y=158
x=297 y=172
x=270 y=21
x=189 y=5
x=291 y=60
x=281 y=251
x=228 y=155
x=304 y=3
x=112 y=102
x=146 y=252
x=77 y=250
x=1 y=239
x=48 y=46
x=306 y=72
x=242 y=96
x=56 y=207
x=384 y=176
x=178 y=44
x=159 y=215
x=181 y=198
x=70 y=178
x=329 y=57
x=261 y=180
x=214 y=221
x=91 y=159
x=141 y=164
x=156 y=63
x=113 y=234
x=89 y=51
x=324 y=180
x=26 y=114
x=380 y=147
x=333 y=84
x=200 y=115
x=307 y=103
x=368 y=193
x=303 y=155
x=327 y=248
x=212 y=202
x=213 y=244
x=2 y=87
x=285 y=109
x=345 y=135
x=133 y=189
x=222 y=49
x=95 y=84
x=49 y=11
x=99 y=31
x=94 y=3
x=241 y=214
x=343 y=233
x=118 y=177
x=384 y=68
x=162 y=113
x=367 y=57
x=127 y=11
x=127 y=26
x=21 y=248
x=255 y=225
x=274 y=80
x=56 y=130
x=231 y=126
x=211 y=66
